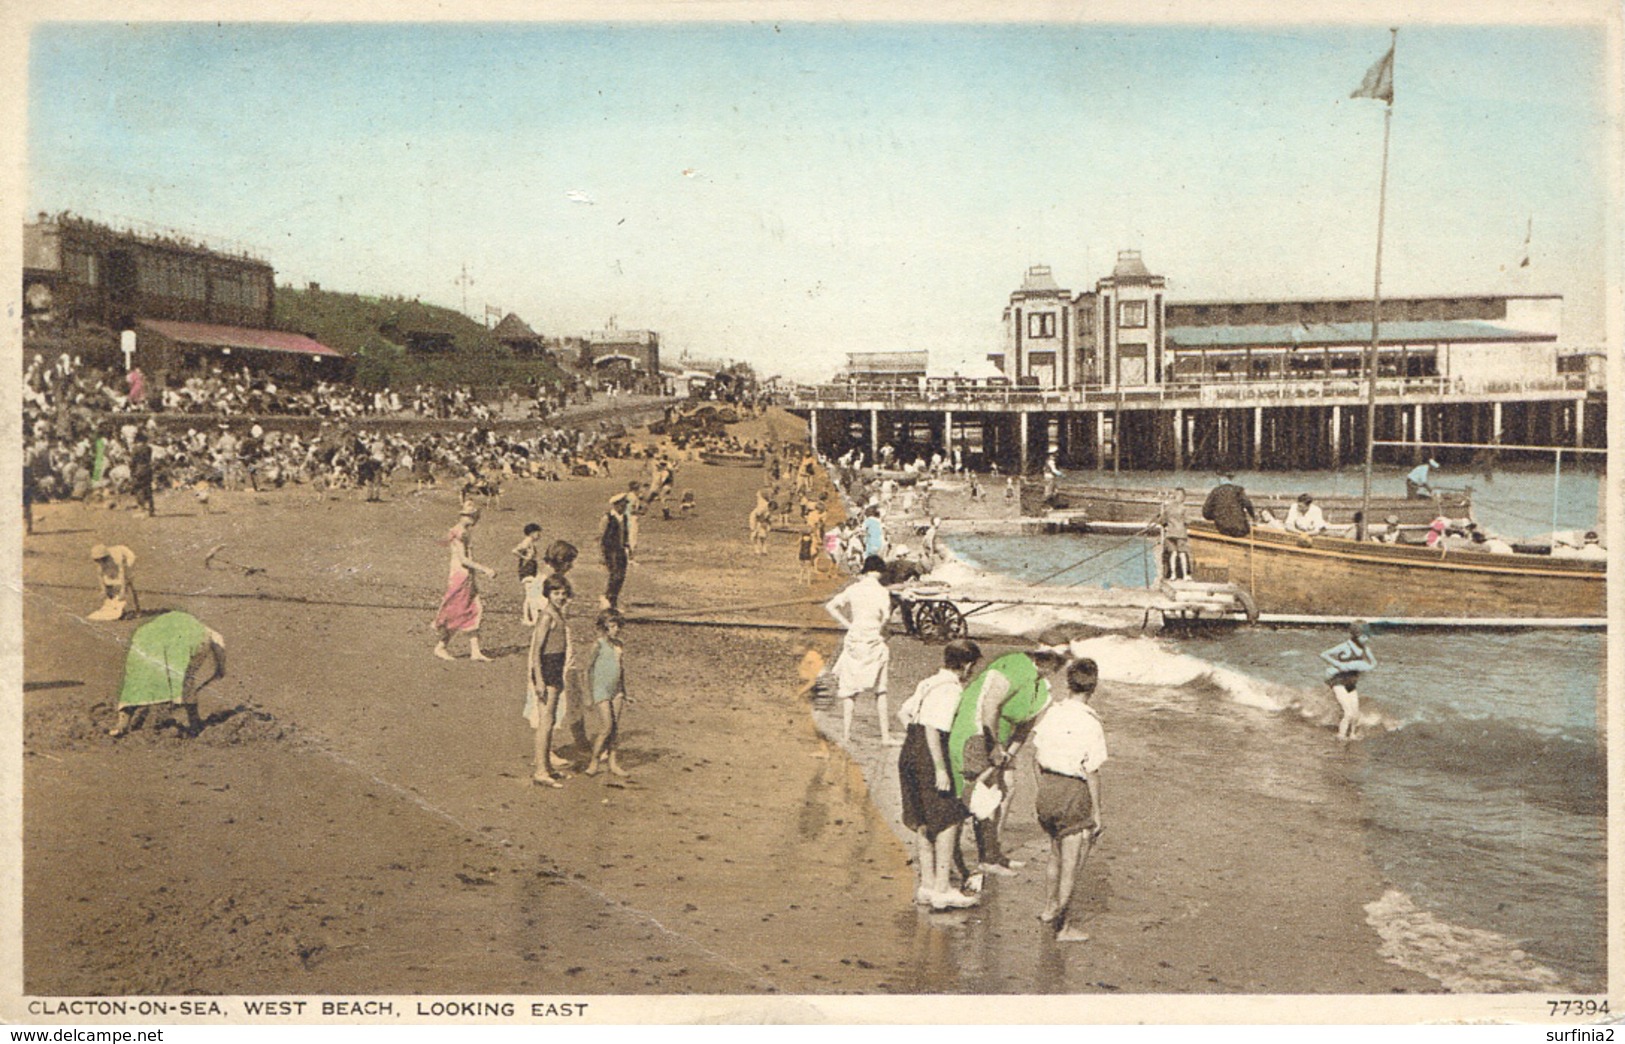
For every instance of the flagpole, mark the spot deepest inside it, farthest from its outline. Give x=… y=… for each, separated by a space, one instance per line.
x=1376 y=314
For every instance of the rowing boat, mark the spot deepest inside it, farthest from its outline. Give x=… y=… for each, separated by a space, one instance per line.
x=1122 y=504
x=1287 y=574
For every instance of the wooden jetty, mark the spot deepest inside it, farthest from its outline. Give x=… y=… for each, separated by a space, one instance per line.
x=942 y=612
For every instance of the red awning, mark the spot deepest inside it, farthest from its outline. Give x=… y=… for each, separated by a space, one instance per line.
x=210 y=335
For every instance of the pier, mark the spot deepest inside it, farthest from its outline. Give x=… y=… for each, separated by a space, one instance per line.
x=1289 y=424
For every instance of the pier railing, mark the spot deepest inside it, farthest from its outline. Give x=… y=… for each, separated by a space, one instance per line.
x=1334 y=390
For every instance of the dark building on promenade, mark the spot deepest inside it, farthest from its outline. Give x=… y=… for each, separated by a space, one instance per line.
x=80 y=271
x=190 y=307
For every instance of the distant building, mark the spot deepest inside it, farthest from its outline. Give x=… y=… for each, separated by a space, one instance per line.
x=690 y=374
x=879 y=369
x=519 y=338
x=79 y=271
x=1125 y=333
x=616 y=352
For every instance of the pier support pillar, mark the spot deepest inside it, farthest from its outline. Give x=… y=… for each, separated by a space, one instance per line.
x=1337 y=436
x=1258 y=436
x=948 y=437
x=874 y=438
x=1495 y=425
x=1021 y=430
x=812 y=430
x=1579 y=423
x=1416 y=425
x=1100 y=439
x=1179 y=439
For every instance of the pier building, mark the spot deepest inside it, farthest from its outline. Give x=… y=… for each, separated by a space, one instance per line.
x=1120 y=376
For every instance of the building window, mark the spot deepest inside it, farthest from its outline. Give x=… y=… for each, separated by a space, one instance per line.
x=1041 y=324
x=1131 y=314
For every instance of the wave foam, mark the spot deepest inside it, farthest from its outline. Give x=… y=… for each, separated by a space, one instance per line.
x=1462 y=960
x=1145 y=660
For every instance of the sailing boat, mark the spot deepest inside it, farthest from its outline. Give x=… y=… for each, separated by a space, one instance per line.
x=1297 y=578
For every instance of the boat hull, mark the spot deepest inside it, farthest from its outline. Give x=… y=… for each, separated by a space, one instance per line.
x=1109 y=504
x=1333 y=576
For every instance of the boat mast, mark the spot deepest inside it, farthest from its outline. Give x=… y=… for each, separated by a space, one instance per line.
x=1376 y=296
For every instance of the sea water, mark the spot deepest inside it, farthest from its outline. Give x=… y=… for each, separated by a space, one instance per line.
x=1482 y=768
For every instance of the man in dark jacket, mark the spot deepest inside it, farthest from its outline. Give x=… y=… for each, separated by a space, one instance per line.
x=1228 y=508
x=141 y=474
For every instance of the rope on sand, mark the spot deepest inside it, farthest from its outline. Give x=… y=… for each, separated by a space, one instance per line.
x=762 y=625
x=708 y=610
x=681 y=617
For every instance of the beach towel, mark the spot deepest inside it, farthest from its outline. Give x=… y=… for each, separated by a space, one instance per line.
x=169 y=660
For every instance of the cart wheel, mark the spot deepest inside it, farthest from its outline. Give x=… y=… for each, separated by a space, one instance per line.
x=939 y=621
x=927 y=624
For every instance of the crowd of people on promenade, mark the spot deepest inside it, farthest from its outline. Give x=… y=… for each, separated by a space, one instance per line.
x=245 y=392
x=76 y=446
x=137 y=461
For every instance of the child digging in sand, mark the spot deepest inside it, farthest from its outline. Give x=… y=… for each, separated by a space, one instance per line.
x=607 y=691
x=1070 y=745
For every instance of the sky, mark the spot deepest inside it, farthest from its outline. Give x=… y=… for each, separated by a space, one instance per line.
x=785 y=193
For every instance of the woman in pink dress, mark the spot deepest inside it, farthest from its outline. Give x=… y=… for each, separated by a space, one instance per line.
x=460 y=609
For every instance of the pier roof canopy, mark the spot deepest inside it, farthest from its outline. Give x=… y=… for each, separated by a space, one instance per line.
x=1332 y=334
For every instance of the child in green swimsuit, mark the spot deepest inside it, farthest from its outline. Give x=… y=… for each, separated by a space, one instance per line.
x=606 y=685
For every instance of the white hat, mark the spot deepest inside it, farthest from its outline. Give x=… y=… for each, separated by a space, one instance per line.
x=1432 y=463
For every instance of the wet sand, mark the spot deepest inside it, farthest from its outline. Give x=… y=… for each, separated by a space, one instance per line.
x=357 y=816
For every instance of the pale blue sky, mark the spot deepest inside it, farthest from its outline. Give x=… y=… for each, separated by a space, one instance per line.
x=851 y=187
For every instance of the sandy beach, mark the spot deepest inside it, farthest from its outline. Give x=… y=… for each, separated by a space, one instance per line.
x=357 y=815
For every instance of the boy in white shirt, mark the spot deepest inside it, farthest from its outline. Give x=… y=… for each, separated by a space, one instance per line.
x=1070 y=745
x=930 y=808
